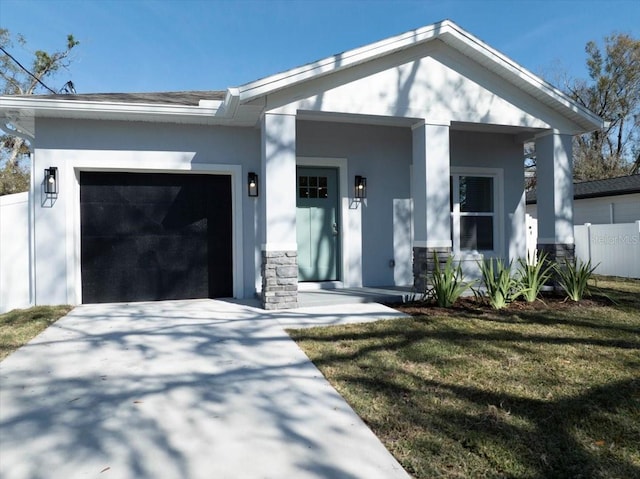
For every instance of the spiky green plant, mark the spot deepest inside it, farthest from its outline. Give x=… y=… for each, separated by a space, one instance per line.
x=447 y=283
x=501 y=286
x=573 y=278
x=532 y=277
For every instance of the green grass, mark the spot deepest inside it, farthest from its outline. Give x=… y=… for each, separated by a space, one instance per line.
x=19 y=326
x=533 y=391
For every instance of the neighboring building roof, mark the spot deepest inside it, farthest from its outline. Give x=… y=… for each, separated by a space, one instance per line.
x=623 y=185
x=191 y=98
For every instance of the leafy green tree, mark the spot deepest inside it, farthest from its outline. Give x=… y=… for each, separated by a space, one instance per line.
x=613 y=93
x=16 y=79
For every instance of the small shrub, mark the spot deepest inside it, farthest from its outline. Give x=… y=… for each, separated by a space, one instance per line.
x=447 y=284
x=501 y=287
x=532 y=277
x=573 y=278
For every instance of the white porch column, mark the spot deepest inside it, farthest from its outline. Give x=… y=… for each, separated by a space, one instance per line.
x=430 y=191
x=554 y=192
x=279 y=245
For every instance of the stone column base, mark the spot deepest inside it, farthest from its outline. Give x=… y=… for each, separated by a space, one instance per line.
x=424 y=264
x=279 y=279
x=557 y=253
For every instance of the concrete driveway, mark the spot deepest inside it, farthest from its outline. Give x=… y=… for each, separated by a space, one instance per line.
x=181 y=389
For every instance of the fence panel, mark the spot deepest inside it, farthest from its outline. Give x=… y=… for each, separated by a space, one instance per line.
x=14 y=251
x=615 y=248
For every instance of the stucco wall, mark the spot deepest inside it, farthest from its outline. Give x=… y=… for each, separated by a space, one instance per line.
x=427 y=81
x=383 y=155
x=73 y=145
x=497 y=150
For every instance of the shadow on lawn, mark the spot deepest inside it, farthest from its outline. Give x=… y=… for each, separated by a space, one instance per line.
x=549 y=447
x=592 y=433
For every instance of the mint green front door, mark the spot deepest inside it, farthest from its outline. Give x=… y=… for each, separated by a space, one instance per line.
x=317 y=224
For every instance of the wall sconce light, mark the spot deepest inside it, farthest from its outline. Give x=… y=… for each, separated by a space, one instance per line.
x=51 y=180
x=361 y=187
x=252 y=184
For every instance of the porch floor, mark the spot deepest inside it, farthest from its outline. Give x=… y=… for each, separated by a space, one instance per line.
x=326 y=297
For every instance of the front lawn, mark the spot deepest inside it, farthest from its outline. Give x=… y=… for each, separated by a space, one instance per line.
x=19 y=326
x=528 y=392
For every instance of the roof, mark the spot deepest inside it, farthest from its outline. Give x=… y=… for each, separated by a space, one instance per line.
x=233 y=104
x=622 y=185
x=191 y=98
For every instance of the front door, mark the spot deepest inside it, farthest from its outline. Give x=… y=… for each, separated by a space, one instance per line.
x=317 y=224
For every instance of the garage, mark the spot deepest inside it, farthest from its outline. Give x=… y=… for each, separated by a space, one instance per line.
x=155 y=236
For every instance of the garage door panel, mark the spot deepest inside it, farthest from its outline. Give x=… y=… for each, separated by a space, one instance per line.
x=155 y=236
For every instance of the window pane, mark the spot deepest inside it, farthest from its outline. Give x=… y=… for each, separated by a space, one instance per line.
x=303 y=181
x=303 y=193
x=313 y=181
x=476 y=194
x=476 y=233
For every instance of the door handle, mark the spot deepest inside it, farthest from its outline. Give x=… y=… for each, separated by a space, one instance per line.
x=335 y=229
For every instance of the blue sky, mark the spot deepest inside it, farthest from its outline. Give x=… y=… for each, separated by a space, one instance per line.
x=165 y=45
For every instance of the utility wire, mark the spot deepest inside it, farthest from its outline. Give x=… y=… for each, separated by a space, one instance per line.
x=27 y=71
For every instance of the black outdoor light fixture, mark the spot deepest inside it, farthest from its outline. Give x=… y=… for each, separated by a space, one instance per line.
x=361 y=186
x=252 y=184
x=51 y=180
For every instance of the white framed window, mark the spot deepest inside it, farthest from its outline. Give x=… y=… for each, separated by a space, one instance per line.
x=476 y=211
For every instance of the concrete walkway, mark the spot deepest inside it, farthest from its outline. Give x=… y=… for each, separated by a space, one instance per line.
x=182 y=389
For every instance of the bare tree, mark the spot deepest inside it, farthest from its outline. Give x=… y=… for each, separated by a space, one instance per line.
x=16 y=79
x=613 y=93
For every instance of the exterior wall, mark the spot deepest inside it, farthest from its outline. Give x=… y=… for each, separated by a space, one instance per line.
x=425 y=82
x=500 y=151
x=383 y=155
x=14 y=252
x=74 y=145
x=381 y=224
x=604 y=210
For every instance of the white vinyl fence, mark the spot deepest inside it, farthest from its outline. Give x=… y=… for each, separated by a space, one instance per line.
x=615 y=248
x=14 y=251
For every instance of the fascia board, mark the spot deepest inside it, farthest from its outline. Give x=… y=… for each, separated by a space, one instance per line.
x=49 y=107
x=270 y=84
x=484 y=54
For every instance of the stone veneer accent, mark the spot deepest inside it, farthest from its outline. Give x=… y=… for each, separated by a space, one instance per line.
x=423 y=264
x=559 y=253
x=279 y=279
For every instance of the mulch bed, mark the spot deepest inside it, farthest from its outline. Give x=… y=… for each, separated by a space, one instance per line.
x=473 y=305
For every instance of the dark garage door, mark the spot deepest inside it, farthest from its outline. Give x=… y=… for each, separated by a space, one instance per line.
x=155 y=236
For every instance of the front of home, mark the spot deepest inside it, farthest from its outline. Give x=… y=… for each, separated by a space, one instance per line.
x=351 y=171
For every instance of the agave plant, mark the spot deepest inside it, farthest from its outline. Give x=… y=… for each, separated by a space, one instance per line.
x=573 y=278
x=447 y=283
x=501 y=287
x=532 y=277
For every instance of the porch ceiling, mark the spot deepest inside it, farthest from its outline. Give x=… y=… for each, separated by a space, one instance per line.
x=523 y=132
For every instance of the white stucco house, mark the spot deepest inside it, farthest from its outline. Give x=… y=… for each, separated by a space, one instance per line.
x=349 y=171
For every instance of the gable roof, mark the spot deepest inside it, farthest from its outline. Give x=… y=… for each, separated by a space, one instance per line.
x=452 y=35
x=218 y=107
x=622 y=185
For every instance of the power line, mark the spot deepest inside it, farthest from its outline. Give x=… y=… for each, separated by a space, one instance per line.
x=27 y=71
